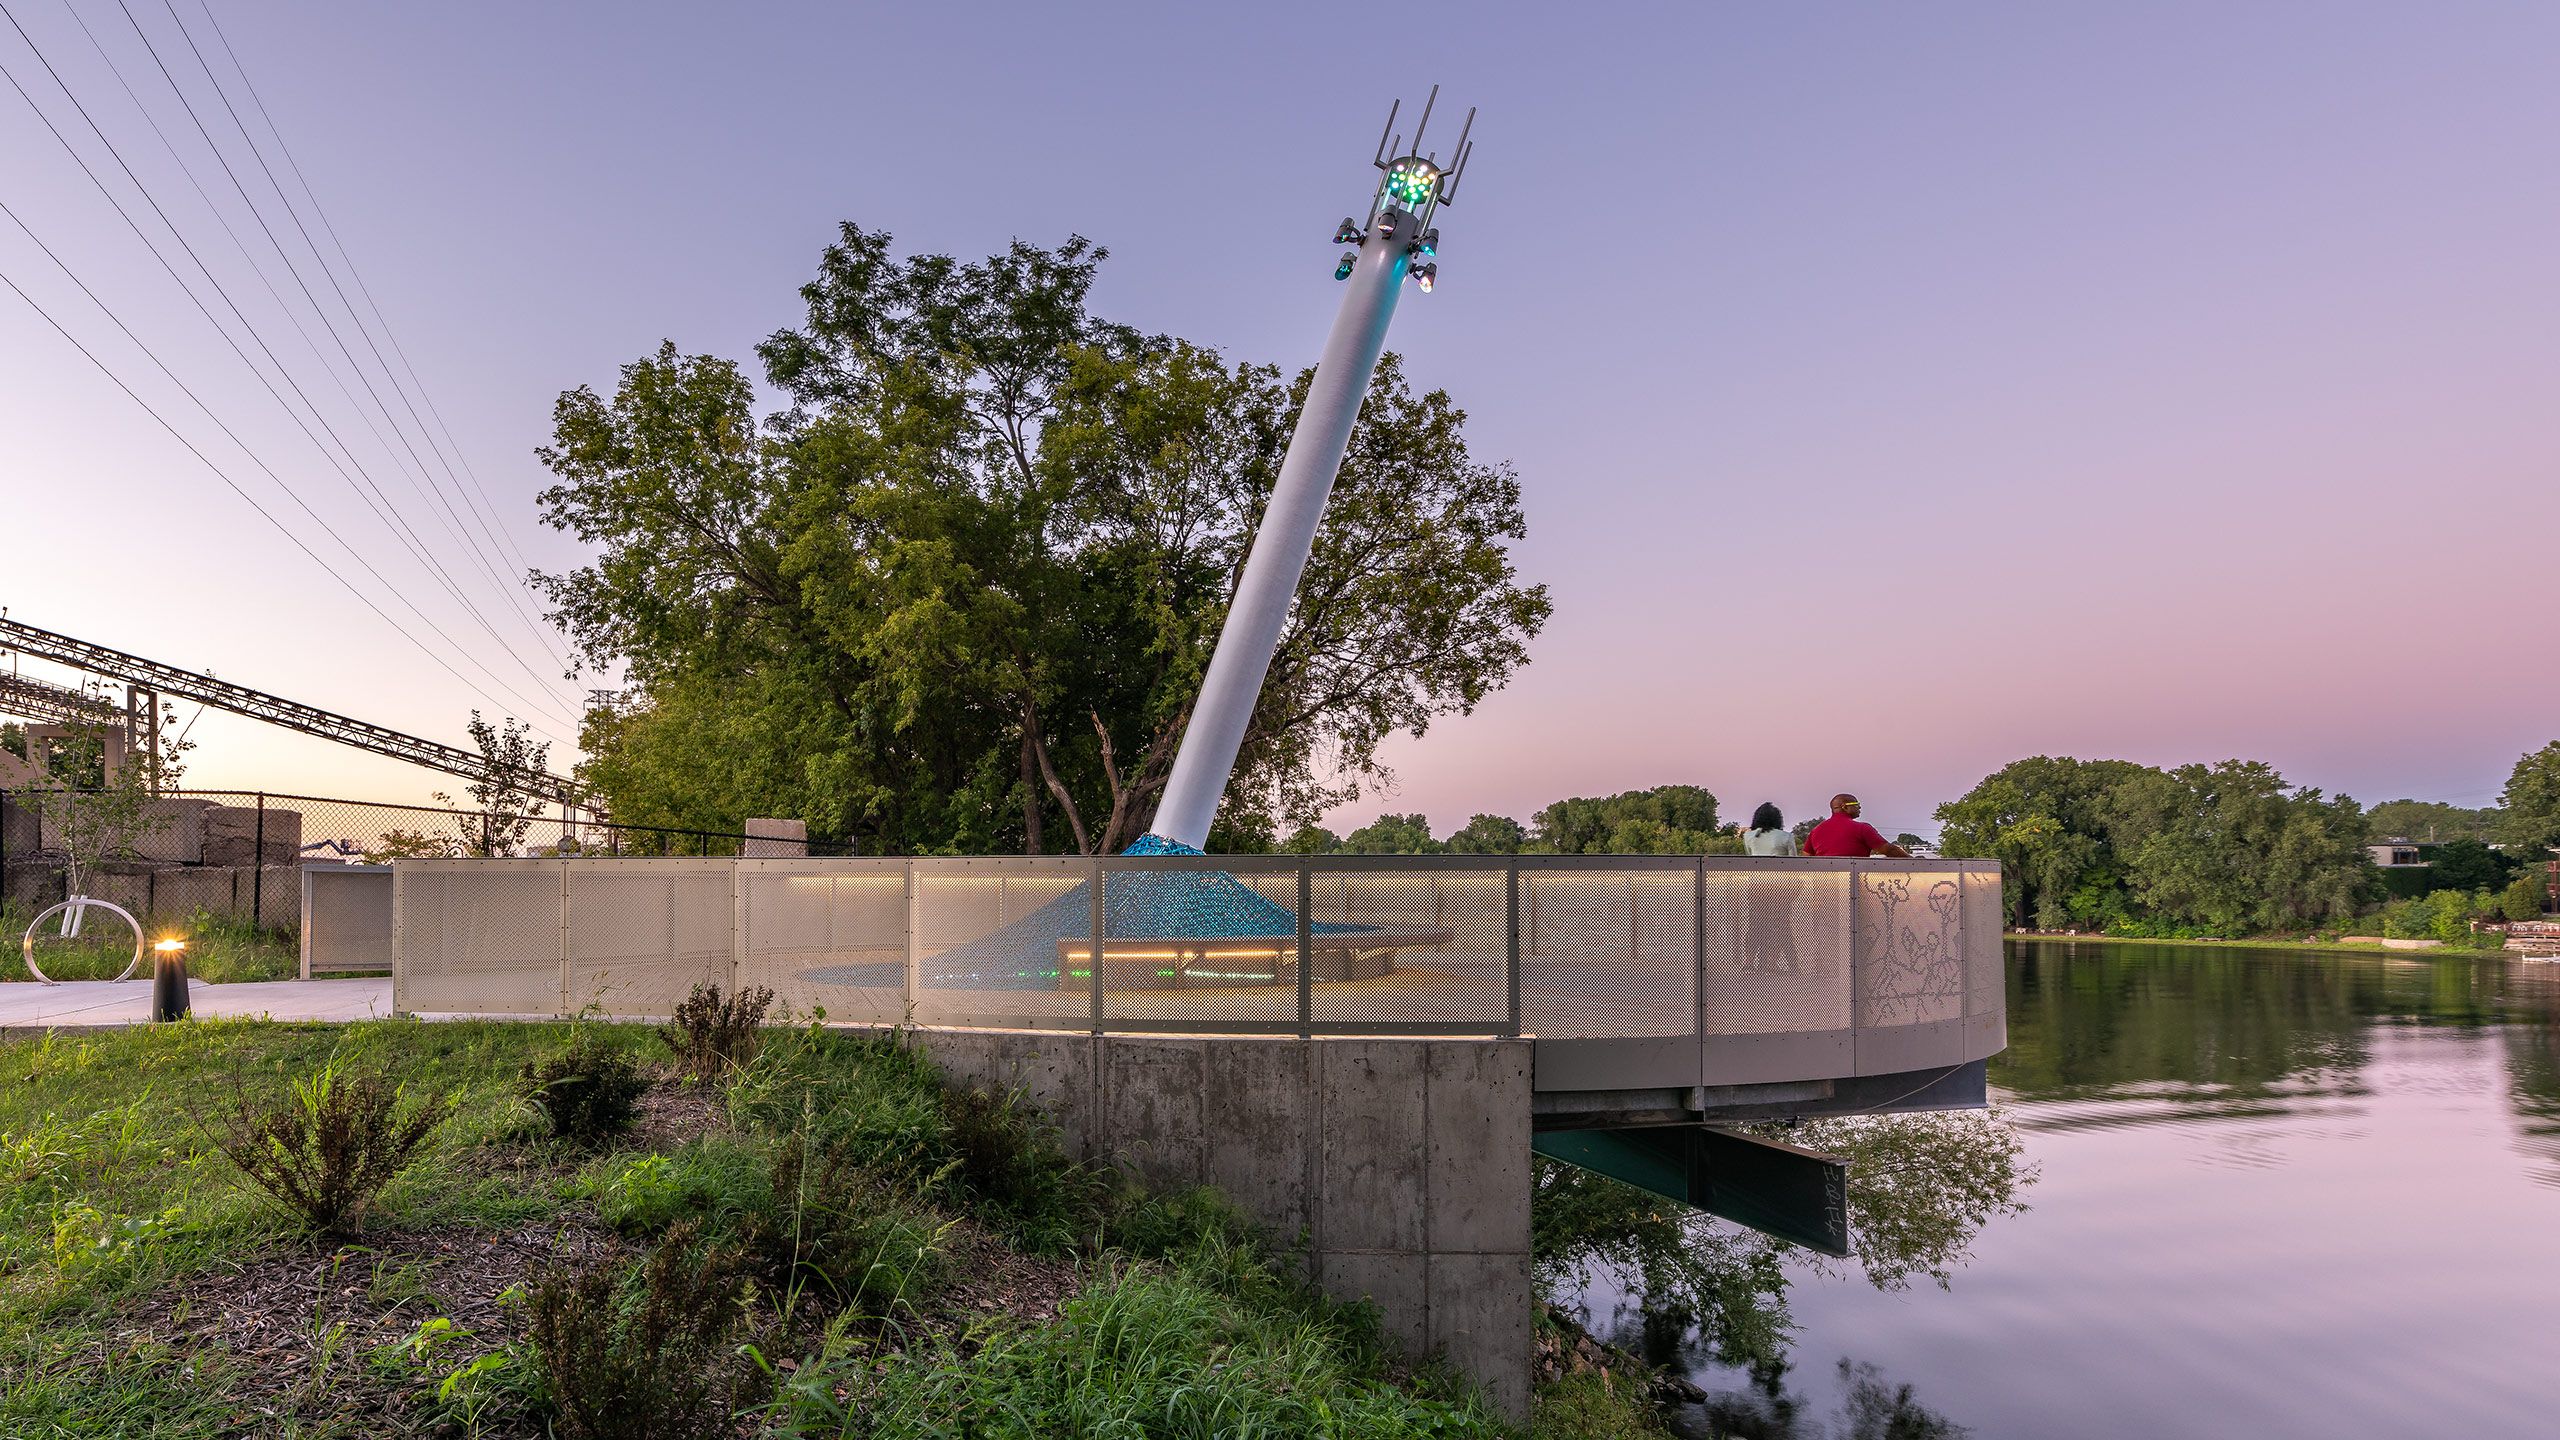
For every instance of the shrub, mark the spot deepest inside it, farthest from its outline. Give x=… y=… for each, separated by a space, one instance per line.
x=1011 y=1160
x=719 y=1183
x=714 y=1035
x=2522 y=899
x=590 y=1092
x=645 y=1354
x=860 y=1237
x=327 y=1148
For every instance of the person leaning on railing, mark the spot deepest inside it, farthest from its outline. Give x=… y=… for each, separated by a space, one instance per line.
x=1769 y=835
x=1845 y=835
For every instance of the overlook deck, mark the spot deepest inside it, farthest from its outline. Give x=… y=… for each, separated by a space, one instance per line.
x=1630 y=973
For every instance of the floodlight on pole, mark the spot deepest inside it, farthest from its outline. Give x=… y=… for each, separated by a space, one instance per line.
x=1399 y=236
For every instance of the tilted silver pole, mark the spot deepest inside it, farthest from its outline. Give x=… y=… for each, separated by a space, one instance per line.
x=1392 y=244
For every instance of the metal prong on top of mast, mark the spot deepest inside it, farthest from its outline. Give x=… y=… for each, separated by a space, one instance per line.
x=1383 y=132
x=1425 y=124
x=1457 y=172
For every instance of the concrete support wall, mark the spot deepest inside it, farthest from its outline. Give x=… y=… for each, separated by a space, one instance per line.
x=1399 y=1167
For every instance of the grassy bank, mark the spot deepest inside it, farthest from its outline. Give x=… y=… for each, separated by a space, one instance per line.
x=219 y=948
x=818 y=1239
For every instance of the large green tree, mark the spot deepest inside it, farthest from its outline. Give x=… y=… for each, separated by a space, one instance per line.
x=957 y=593
x=2096 y=843
x=2532 y=799
x=1666 y=820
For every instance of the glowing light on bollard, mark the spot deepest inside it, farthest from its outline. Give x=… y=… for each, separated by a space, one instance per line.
x=169 y=979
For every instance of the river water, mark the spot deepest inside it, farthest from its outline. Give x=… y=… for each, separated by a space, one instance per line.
x=2277 y=1195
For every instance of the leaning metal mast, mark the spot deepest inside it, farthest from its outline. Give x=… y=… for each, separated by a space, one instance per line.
x=1397 y=241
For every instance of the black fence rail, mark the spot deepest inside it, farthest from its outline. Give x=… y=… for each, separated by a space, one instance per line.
x=238 y=854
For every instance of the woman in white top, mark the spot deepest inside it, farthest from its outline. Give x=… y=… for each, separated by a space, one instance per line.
x=1769 y=834
x=1769 y=932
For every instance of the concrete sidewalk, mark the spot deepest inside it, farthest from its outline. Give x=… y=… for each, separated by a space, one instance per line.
x=78 y=1004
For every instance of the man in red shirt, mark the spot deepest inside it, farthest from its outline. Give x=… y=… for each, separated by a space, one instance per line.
x=1844 y=834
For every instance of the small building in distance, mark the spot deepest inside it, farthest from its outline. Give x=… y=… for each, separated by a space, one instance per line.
x=2394 y=853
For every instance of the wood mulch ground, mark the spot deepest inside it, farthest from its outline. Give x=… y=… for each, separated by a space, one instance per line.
x=341 y=1333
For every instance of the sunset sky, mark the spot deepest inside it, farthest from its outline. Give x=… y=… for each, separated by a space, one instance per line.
x=1897 y=390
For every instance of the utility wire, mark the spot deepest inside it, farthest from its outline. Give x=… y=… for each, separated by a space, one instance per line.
x=225 y=477
x=328 y=228
x=452 y=520
x=381 y=504
x=179 y=235
x=493 y=527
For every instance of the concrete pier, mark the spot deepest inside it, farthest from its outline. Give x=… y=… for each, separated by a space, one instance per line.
x=1400 y=1168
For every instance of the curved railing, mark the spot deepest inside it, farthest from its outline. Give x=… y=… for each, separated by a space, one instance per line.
x=1629 y=971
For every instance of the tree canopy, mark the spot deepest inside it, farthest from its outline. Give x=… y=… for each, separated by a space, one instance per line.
x=2095 y=844
x=2532 y=798
x=958 y=592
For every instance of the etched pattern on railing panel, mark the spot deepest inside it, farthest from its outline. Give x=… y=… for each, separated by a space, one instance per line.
x=1615 y=954
x=1777 y=956
x=1910 y=948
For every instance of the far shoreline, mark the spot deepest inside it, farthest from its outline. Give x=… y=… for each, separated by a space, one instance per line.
x=2307 y=946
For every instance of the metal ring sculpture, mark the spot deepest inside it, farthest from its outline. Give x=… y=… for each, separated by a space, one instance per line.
x=78 y=905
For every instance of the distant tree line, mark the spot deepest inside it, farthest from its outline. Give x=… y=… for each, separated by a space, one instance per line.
x=1665 y=820
x=2232 y=848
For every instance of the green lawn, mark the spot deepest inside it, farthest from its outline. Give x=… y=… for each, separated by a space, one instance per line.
x=883 y=1259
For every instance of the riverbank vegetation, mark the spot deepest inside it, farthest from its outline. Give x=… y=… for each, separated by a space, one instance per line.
x=2232 y=850
x=247 y=1228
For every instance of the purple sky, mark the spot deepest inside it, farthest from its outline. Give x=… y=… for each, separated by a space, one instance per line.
x=1897 y=390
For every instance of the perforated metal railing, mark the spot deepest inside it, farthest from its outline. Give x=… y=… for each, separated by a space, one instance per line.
x=1628 y=970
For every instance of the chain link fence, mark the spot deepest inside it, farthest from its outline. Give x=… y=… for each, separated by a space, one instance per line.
x=237 y=855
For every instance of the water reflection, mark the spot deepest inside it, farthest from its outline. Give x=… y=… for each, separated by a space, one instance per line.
x=2282 y=1195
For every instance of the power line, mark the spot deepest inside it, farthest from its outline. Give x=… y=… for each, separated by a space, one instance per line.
x=380 y=503
x=491 y=526
x=179 y=235
x=453 y=521
x=331 y=230
x=225 y=477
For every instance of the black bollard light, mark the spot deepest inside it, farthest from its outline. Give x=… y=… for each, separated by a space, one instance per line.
x=169 y=980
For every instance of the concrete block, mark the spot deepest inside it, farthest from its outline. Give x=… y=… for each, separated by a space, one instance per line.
x=1152 y=1108
x=1054 y=1073
x=1370 y=1190
x=177 y=894
x=232 y=834
x=19 y=832
x=172 y=830
x=1399 y=1285
x=775 y=837
x=1482 y=1320
x=1477 y=1167
x=32 y=882
x=1260 y=1117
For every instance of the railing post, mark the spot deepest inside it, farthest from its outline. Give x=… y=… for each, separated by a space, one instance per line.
x=564 y=937
x=915 y=950
x=1698 y=954
x=1306 y=949
x=1511 y=946
x=258 y=868
x=1098 y=926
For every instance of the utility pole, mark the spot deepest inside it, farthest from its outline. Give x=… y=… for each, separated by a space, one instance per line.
x=1397 y=242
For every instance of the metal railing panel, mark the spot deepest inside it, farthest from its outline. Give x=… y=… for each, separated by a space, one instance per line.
x=826 y=936
x=1908 y=933
x=477 y=936
x=1408 y=944
x=986 y=935
x=1609 y=951
x=644 y=933
x=1986 y=971
x=1777 y=958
